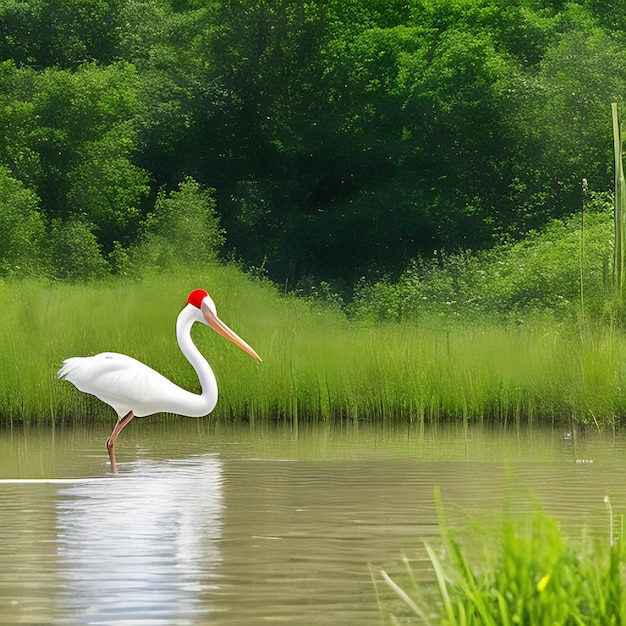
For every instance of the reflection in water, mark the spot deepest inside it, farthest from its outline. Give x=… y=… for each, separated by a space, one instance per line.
x=142 y=547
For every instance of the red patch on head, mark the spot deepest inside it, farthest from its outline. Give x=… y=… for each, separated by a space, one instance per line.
x=196 y=297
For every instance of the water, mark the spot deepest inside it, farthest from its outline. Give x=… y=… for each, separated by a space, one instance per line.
x=234 y=525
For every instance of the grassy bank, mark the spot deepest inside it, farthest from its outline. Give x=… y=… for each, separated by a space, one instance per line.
x=316 y=364
x=530 y=572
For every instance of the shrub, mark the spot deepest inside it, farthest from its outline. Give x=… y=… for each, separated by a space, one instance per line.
x=22 y=228
x=76 y=253
x=183 y=229
x=542 y=272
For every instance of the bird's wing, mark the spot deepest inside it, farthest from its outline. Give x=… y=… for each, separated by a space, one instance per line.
x=121 y=381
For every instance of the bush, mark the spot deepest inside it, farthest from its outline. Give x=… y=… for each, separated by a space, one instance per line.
x=76 y=253
x=542 y=272
x=183 y=229
x=22 y=228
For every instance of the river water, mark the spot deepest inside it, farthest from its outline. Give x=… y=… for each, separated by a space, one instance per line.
x=239 y=524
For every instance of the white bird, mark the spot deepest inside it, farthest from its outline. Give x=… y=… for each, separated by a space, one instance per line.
x=136 y=390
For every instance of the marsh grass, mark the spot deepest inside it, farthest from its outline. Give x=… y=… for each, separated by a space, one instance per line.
x=529 y=573
x=316 y=364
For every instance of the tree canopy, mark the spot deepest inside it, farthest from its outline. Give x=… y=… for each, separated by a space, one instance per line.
x=342 y=139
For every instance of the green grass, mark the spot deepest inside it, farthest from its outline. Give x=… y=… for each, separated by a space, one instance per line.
x=529 y=573
x=316 y=364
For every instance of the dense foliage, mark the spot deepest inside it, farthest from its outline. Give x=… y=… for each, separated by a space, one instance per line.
x=341 y=138
x=545 y=272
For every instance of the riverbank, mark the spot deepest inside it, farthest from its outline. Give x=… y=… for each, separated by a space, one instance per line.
x=317 y=365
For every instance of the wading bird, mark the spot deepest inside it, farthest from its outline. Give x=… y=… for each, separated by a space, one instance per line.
x=136 y=390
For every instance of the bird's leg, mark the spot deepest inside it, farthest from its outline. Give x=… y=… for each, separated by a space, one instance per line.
x=121 y=422
x=112 y=459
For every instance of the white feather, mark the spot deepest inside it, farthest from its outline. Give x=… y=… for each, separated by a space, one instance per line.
x=127 y=384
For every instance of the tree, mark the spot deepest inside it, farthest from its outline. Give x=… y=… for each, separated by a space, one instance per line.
x=107 y=188
x=22 y=229
x=76 y=253
x=86 y=142
x=63 y=33
x=183 y=229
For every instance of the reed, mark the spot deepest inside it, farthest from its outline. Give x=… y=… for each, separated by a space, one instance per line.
x=529 y=573
x=316 y=364
x=619 y=212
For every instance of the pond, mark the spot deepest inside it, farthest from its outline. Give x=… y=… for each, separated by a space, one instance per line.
x=247 y=524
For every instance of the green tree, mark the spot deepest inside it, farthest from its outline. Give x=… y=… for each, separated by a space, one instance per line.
x=76 y=254
x=184 y=228
x=63 y=33
x=17 y=121
x=108 y=188
x=342 y=138
x=22 y=229
x=581 y=75
x=86 y=144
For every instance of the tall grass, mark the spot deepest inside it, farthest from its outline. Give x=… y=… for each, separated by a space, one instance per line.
x=316 y=364
x=529 y=573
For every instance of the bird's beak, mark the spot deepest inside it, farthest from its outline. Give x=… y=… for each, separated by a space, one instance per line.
x=217 y=325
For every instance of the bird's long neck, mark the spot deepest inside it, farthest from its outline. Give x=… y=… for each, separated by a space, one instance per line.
x=208 y=397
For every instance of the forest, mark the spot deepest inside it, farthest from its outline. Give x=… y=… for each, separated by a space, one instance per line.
x=315 y=143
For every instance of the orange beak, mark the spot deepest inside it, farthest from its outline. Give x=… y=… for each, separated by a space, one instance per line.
x=217 y=325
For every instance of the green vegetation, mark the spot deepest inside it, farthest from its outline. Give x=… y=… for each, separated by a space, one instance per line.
x=317 y=363
x=529 y=573
x=343 y=140
x=499 y=335
x=540 y=274
x=413 y=169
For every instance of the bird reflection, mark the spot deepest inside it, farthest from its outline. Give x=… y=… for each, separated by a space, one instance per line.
x=142 y=548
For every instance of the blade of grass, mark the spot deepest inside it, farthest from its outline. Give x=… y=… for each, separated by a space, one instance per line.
x=403 y=595
x=442 y=584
